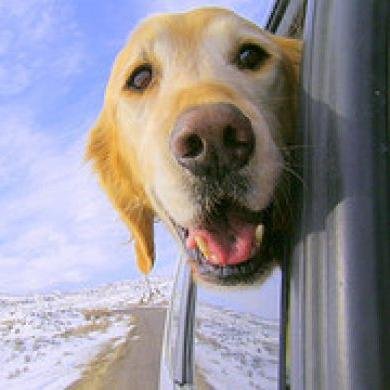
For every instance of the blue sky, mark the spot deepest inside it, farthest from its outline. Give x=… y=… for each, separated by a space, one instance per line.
x=57 y=230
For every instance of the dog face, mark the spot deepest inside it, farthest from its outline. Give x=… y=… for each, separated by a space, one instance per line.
x=196 y=113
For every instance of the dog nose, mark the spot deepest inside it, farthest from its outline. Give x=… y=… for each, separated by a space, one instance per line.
x=212 y=137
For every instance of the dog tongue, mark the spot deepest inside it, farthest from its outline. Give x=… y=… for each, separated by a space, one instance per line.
x=226 y=246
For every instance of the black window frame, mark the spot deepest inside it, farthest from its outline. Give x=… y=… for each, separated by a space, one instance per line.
x=338 y=264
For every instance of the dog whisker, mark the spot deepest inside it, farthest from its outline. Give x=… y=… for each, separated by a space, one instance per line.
x=294 y=147
x=294 y=174
x=283 y=199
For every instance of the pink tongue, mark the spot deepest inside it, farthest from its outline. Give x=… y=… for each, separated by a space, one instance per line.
x=228 y=247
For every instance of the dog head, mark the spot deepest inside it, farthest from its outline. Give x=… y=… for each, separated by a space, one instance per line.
x=197 y=111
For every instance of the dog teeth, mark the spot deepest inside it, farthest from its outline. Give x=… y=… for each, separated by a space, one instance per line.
x=203 y=248
x=258 y=238
x=259 y=235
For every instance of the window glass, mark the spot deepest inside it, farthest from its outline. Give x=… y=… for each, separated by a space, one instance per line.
x=237 y=336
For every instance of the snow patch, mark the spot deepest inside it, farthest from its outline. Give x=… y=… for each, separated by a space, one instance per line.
x=47 y=340
x=235 y=350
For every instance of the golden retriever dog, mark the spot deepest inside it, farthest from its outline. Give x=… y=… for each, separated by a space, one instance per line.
x=198 y=113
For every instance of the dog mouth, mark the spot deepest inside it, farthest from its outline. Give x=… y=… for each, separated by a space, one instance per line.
x=228 y=244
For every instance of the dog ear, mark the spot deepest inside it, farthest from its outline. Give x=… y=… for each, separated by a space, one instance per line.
x=292 y=51
x=123 y=188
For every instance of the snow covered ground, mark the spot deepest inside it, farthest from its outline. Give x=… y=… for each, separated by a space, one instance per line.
x=235 y=350
x=46 y=341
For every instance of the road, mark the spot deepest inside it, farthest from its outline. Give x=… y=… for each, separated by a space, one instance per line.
x=134 y=365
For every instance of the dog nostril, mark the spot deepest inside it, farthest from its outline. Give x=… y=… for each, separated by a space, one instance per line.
x=193 y=146
x=238 y=143
x=229 y=136
x=232 y=138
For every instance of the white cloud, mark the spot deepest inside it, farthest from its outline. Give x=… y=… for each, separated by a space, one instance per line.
x=38 y=38
x=15 y=81
x=5 y=41
x=56 y=225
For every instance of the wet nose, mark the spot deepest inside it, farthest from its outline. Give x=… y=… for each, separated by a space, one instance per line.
x=212 y=137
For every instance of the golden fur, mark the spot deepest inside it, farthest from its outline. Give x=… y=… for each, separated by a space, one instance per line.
x=128 y=145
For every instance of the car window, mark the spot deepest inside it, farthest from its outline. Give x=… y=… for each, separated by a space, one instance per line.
x=237 y=336
x=221 y=338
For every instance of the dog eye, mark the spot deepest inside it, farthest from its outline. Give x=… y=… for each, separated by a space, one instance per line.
x=251 y=56
x=140 y=78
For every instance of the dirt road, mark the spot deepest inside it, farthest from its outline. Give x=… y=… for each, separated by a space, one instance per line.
x=135 y=364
